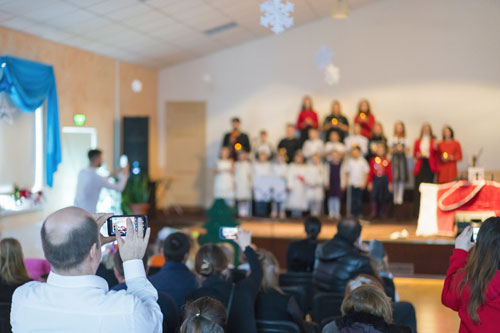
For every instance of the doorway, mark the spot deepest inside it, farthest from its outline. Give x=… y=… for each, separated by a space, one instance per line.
x=186 y=151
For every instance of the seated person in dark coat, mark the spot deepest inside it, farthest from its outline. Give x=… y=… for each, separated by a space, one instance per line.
x=175 y=278
x=300 y=254
x=212 y=265
x=341 y=258
x=171 y=315
x=272 y=303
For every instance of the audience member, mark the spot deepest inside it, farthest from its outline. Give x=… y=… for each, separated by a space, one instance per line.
x=174 y=278
x=239 y=298
x=74 y=299
x=289 y=144
x=380 y=264
x=399 y=147
x=272 y=303
x=204 y=315
x=90 y=184
x=336 y=122
x=356 y=171
x=315 y=185
x=356 y=139
x=365 y=309
x=224 y=178
x=333 y=184
x=296 y=184
x=341 y=258
x=169 y=309
x=379 y=182
x=365 y=118
x=236 y=140
x=308 y=118
x=473 y=279
x=300 y=254
x=313 y=145
x=13 y=272
x=426 y=163
x=449 y=152
x=243 y=184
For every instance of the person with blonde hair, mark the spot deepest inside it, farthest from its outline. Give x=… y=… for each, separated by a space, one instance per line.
x=365 y=309
x=272 y=303
x=13 y=272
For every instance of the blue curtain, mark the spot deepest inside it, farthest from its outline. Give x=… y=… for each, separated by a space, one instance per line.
x=29 y=84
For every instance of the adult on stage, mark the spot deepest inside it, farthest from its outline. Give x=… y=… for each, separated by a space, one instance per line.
x=336 y=122
x=289 y=144
x=308 y=118
x=236 y=140
x=426 y=162
x=365 y=118
x=450 y=153
x=89 y=183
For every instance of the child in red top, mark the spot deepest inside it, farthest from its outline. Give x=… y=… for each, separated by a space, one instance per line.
x=379 y=182
x=477 y=301
x=365 y=118
x=450 y=153
x=308 y=118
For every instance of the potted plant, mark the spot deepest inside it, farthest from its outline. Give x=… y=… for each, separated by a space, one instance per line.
x=135 y=197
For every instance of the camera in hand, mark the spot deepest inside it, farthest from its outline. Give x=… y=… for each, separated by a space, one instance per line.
x=118 y=223
x=228 y=233
x=475 y=225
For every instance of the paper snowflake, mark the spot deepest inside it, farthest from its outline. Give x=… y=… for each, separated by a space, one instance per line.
x=276 y=15
x=6 y=111
x=332 y=74
x=324 y=57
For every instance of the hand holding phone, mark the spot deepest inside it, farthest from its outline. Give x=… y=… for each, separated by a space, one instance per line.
x=135 y=243
x=228 y=233
x=118 y=223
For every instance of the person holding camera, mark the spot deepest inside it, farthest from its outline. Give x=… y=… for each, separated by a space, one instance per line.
x=74 y=299
x=472 y=284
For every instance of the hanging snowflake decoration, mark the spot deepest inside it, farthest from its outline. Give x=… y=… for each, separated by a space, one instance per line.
x=332 y=74
x=6 y=111
x=324 y=57
x=276 y=15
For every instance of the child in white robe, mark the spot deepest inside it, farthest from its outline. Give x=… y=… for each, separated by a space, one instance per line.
x=224 y=179
x=262 y=173
x=243 y=183
x=280 y=169
x=356 y=140
x=313 y=145
x=296 y=183
x=315 y=182
x=334 y=144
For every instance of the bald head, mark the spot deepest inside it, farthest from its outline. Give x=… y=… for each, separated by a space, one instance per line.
x=67 y=237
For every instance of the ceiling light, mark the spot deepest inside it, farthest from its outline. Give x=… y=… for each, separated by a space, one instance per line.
x=340 y=9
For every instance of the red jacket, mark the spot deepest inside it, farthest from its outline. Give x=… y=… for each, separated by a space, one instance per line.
x=489 y=314
x=379 y=167
x=303 y=115
x=433 y=161
x=366 y=124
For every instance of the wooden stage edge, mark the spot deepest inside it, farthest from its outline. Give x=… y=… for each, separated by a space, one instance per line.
x=408 y=256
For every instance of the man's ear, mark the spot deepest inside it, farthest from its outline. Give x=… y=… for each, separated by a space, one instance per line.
x=94 y=252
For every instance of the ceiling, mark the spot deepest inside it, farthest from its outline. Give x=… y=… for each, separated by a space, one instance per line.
x=153 y=33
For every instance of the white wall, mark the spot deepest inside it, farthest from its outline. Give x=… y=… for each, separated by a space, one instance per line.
x=427 y=60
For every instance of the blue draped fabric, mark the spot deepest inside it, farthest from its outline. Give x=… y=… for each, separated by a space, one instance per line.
x=29 y=84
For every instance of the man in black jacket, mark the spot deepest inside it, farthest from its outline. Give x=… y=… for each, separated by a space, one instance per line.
x=236 y=140
x=341 y=258
x=300 y=254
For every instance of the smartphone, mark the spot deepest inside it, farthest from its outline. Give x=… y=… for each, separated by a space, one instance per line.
x=118 y=223
x=228 y=233
x=123 y=161
x=475 y=231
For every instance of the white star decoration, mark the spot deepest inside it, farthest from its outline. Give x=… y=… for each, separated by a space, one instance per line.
x=276 y=15
x=6 y=111
x=332 y=75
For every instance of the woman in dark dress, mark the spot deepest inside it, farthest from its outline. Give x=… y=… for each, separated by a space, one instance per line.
x=239 y=298
x=13 y=272
x=272 y=303
x=377 y=137
x=336 y=122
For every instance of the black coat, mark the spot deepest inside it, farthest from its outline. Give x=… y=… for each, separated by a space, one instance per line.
x=363 y=322
x=242 y=314
x=7 y=290
x=338 y=261
x=273 y=305
x=300 y=255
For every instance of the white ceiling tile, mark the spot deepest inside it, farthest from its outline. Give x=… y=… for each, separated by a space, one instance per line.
x=20 y=7
x=5 y=16
x=109 y=6
x=72 y=19
x=161 y=3
x=18 y=23
x=84 y=3
x=91 y=24
x=129 y=11
x=55 y=9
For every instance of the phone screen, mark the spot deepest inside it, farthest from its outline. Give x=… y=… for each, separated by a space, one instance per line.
x=475 y=231
x=228 y=233
x=118 y=223
x=123 y=161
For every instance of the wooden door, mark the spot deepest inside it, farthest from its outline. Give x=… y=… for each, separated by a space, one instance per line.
x=185 y=137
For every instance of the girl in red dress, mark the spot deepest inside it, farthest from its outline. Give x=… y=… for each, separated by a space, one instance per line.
x=450 y=153
x=308 y=118
x=365 y=118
